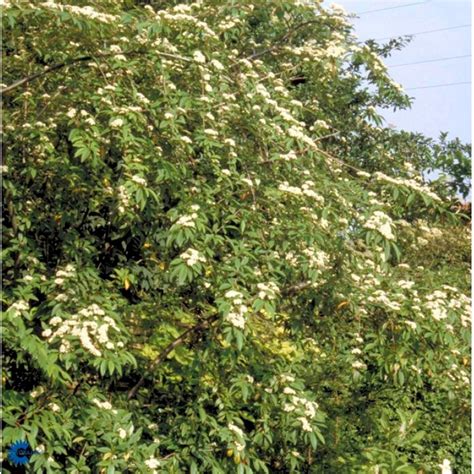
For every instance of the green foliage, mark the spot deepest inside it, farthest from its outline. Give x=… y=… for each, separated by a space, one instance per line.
x=216 y=257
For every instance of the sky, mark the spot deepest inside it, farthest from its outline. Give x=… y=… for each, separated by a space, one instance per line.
x=434 y=109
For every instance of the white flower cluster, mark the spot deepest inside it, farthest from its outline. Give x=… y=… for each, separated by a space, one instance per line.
x=68 y=272
x=199 y=57
x=124 y=198
x=152 y=463
x=18 y=306
x=189 y=220
x=436 y=303
x=446 y=467
x=192 y=257
x=298 y=132
x=290 y=156
x=238 y=311
x=409 y=183
x=180 y=14
x=304 y=190
x=460 y=303
x=102 y=405
x=117 y=123
x=240 y=444
x=382 y=297
x=334 y=50
x=300 y=403
x=357 y=351
x=90 y=325
x=139 y=180
x=305 y=424
x=268 y=290
x=406 y=284
x=317 y=258
x=86 y=11
x=358 y=365
x=382 y=223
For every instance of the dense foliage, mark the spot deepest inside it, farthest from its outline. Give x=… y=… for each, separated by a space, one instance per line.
x=217 y=258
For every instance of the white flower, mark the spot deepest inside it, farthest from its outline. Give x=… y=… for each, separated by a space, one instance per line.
x=20 y=305
x=235 y=429
x=382 y=223
x=122 y=433
x=104 y=405
x=237 y=319
x=186 y=139
x=192 y=257
x=152 y=463
x=139 y=180
x=217 y=65
x=412 y=324
x=71 y=113
x=199 y=57
x=305 y=424
x=54 y=407
x=36 y=393
x=268 y=290
x=63 y=348
x=289 y=391
x=116 y=123
x=187 y=220
x=233 y=294
x=211 y=132
x=239 y=446
x=47 y=333
x=445 y=467
x=288 y=407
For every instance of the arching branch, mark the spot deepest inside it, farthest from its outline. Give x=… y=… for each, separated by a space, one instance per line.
x=162 y=356
x=76 y=61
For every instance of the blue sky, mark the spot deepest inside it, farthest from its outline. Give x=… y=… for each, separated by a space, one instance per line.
x=437 y=109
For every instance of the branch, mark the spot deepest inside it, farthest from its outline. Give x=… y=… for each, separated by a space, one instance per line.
x=162 y=356
x=72 y=62
x=280 y=40
x=290 y=290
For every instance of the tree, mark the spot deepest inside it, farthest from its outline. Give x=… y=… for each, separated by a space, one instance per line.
x=216 y=257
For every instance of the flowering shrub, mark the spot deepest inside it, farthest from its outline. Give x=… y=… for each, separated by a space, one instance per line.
x=217 y=259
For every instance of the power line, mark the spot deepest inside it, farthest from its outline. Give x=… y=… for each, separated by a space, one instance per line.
x=393 y=8
x=430 y=61
x=438 y=85
x=425 y=32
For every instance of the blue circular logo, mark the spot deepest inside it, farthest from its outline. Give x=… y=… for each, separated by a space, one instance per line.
x=20 y=453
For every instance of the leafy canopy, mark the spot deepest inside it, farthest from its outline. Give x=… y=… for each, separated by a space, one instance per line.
x=217 y=258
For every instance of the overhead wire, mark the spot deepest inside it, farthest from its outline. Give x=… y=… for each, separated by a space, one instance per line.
x=393 y=8
x=437 y=85
x=429 y=61
x=424 y=32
